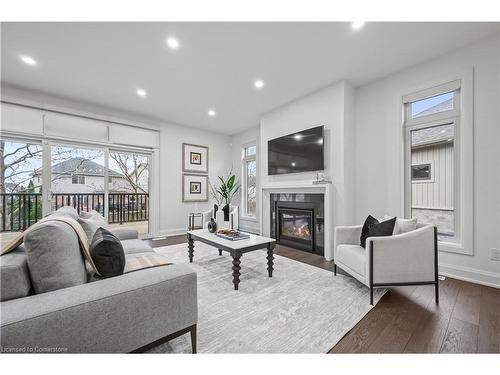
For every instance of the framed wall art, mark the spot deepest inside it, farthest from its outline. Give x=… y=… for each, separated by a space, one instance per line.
x=194 y=188
x=194 y=158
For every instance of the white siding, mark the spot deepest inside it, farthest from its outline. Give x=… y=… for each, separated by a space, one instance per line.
x=438 y=192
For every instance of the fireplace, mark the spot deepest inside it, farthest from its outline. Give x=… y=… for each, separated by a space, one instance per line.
x=296 y=227
x=297 y=221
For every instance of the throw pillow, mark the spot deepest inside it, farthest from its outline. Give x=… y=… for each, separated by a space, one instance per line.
x=90 y=226
x=95 y=216
x=402 y=225
x=384 y=228
x=370 y=220
x=107 y=253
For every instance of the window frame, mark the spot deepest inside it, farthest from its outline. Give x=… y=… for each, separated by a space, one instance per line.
x=462 y=117
x=423 y=180
x=245 y=158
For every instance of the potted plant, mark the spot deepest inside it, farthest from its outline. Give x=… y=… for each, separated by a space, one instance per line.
x=224 y=193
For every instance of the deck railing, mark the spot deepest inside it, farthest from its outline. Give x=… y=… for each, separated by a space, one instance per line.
x=20 y=210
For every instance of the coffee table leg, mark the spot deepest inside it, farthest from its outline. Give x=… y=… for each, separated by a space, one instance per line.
x=270 y=258
x=220 y=252
x=190 y=248
x=236 y=270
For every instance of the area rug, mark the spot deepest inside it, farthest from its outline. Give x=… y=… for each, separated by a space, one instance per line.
x=301 y=309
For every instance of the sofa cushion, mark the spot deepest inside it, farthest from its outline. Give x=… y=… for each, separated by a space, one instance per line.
x=124 y=233
x=353 y=256
x=96 y=216
x=90 y=226
x=54 y=257
x=107 y=253
x=14 y=275
x=136 y=246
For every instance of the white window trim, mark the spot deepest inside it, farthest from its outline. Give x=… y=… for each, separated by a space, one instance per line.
x=244 y=160
x=463 y=117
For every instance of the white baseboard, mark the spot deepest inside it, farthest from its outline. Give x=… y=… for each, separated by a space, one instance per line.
x=173 y=232
x=471 y=275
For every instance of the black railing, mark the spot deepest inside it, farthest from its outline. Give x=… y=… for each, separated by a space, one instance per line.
x=20 y=210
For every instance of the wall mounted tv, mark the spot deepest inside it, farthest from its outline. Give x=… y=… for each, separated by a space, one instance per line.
x=297 y=152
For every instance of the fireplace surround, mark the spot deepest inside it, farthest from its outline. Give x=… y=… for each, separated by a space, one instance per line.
x=297 y=220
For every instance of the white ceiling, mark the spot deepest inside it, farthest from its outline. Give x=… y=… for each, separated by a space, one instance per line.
x=216 y=64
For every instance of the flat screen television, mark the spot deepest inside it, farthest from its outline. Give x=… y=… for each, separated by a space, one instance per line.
x=297 y=152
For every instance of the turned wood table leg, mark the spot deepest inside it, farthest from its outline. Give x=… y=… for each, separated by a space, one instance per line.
x=270 y=258
x=190 y=248
x=236 y=270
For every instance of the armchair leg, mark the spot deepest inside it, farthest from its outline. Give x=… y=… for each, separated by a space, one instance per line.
x=371 y=296
x=334 y=270
x=437 y=292
x=193 y=338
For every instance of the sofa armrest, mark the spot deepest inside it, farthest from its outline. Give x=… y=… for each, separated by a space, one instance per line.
x=119 y=314
x=403 y=258
x=124 y=233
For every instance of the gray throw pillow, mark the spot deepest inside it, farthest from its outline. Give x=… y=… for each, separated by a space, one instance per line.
x=89 y=226
x=67 y=211
x=54 y=257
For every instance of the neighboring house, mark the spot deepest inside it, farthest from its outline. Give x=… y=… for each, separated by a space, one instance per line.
x=79 y=175
x=432 y=173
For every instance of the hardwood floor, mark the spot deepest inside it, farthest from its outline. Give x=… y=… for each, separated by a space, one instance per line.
x=407 y=320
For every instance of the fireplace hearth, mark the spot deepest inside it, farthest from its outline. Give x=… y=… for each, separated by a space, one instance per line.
x=297 y=221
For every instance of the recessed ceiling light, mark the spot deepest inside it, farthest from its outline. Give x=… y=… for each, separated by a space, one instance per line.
x=211 y=112
x=28 y=60
x=259 y=84
x=293 y=164
x=173 y=43
x=141 y=92
x=297 y=137
x=356 y=25
x=443 y=131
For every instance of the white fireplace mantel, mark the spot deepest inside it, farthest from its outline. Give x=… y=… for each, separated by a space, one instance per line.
x=303 y=187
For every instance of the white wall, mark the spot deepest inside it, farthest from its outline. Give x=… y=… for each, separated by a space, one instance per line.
x=379 y=150
x=332 y=107
x=237 y=142
x=174 y=212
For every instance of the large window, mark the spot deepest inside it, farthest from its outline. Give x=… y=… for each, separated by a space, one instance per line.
x=250 y=180
x=431 y=122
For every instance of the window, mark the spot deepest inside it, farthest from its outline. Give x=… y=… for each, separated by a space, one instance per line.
x=421 y=172
x=435 y=104
x=77 y=179
x=431 y=119
x=250 y=180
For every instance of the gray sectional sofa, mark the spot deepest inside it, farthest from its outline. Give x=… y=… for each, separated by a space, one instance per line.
x=127 y=313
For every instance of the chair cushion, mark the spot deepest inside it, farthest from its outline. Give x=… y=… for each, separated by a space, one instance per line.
x=124 y=233
x=136 y=246
x=54 y=257
x=107 y=253
x=14 y=275
x=353 y=256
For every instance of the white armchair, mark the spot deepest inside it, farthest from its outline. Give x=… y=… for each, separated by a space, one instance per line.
x=409 y=258
x=233 y=222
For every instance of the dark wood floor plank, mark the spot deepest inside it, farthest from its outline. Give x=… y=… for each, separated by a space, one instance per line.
x=489 y=321
x=406 y=319
x=468 y=303
x=461 y=337
x=431 y=329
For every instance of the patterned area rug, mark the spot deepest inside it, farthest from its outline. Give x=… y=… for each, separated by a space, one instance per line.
x=301 y=309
